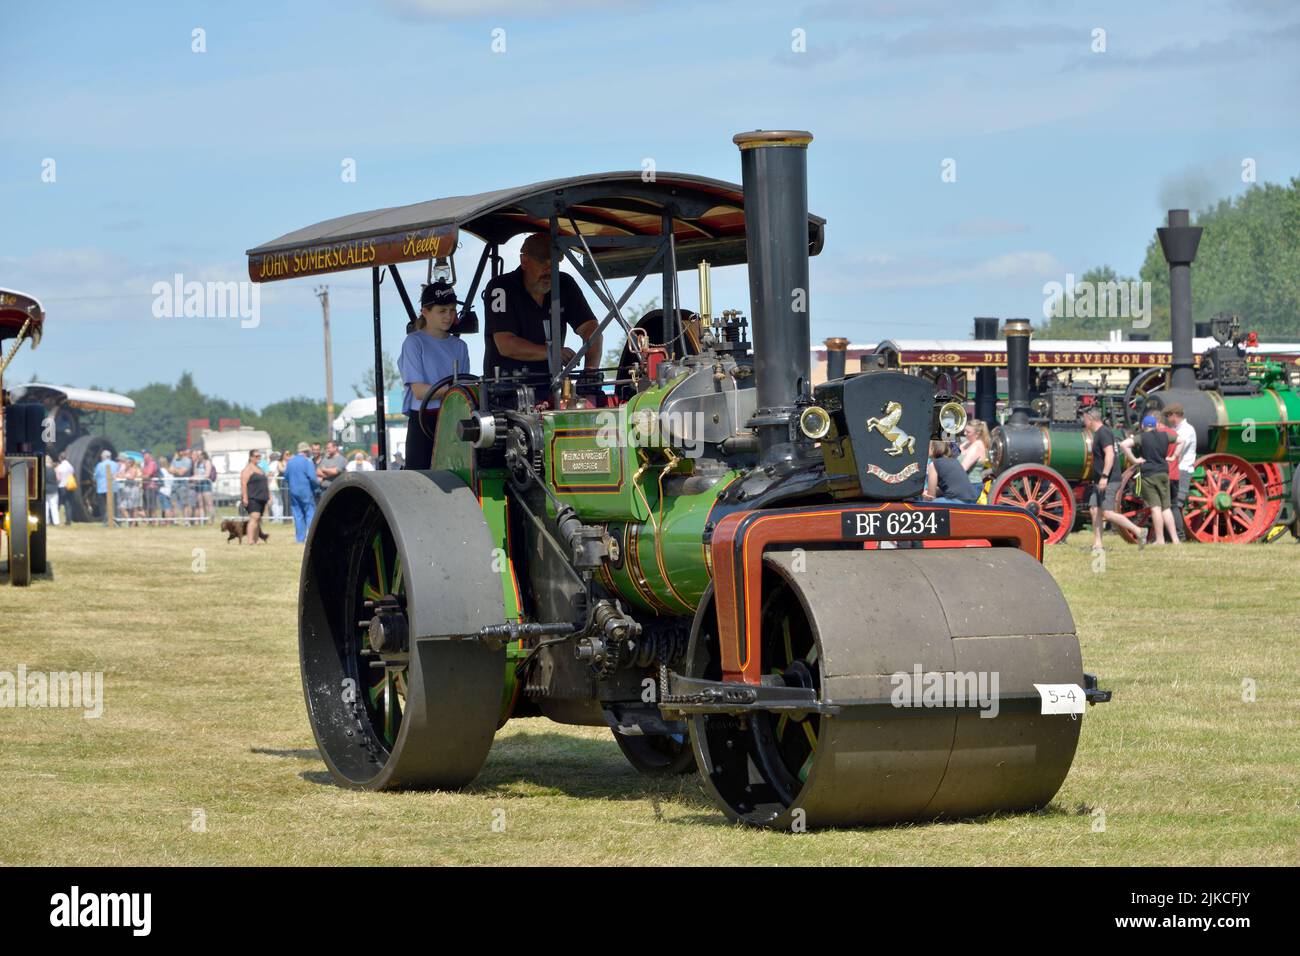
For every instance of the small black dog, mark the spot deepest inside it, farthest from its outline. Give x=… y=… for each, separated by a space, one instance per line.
x=237 y=528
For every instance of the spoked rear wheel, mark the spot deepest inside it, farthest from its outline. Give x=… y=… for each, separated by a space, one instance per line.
x=377 y=604
x=1130 y=504
x=1228 y=503
x=1041 y=491
x=757 y=764
x=1270 y=473
x=786 y=743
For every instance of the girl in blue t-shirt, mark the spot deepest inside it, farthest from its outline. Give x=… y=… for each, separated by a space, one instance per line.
x=429 y=355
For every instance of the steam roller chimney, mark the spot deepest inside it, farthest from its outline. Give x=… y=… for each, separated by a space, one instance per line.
x=836 y=356
x=1178 y=241
x=986 y=377
x=1018 y=332
x=774 y=174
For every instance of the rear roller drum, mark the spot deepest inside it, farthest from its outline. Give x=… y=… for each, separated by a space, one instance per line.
x=844 y=624
x=397 y=565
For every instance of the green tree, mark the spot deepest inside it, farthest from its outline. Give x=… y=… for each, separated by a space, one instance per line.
x=293 y=420
x=1083 y=321
x=1248 y=262
x=366 y=387
x=163 y=412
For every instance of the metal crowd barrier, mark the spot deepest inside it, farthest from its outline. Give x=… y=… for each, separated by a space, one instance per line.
x=187 y=501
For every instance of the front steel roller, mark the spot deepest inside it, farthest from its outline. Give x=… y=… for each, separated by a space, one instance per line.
x=396 y=560
x=844 y=622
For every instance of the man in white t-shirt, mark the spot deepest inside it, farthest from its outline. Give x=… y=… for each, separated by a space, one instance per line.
x=1185 y=452
x=64 y=471
x=359 y=462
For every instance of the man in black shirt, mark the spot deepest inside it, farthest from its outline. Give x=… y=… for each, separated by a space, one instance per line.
x=1108 y=470
x=1152 y=454
x=518 y=309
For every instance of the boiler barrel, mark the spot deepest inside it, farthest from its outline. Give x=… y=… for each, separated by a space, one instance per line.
x=1067 y=450
x=1259 y=428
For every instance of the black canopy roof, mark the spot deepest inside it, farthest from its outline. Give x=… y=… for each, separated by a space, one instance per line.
x=708 y=223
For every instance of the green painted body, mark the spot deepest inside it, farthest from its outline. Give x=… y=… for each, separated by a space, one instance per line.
x=452 y=454
x=605 y=464
x=608 y=465
x=1260 y=428
x=1070 y=453
x=664 y=564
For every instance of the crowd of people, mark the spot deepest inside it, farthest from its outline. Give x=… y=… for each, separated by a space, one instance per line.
x=295 y=482
x=1164 y=453
x=182 y=489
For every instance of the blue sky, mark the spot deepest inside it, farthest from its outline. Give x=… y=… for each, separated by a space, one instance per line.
x=173 y=161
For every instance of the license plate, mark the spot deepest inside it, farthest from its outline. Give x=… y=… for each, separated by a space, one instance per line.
x=889 y=525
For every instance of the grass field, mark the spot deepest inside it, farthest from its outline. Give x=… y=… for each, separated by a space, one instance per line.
x=203 y=754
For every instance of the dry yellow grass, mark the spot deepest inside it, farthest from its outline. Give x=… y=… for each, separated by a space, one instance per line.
x=204 y=720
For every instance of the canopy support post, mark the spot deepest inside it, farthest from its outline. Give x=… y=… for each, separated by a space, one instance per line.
x=406 y=299
x=381 y=421
x=670 y=284
x=555 y=350
x=489 y=254
x=595 y=279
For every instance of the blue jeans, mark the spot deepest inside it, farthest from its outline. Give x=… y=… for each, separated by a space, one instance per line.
x=303 y=511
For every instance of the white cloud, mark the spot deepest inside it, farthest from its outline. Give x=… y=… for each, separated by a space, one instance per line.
x=881 y=272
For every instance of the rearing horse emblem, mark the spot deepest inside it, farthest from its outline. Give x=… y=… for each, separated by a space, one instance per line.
x=900 y=441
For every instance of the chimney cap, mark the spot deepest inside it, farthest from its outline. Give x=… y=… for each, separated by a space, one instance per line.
x=1018 y=327
x=772 y=137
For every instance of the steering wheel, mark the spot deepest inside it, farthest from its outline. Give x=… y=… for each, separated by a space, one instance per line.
x=424 y=402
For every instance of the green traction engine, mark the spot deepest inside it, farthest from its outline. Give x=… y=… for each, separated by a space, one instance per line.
x=1042 y=454
x=1246 y=416
x=735 y=573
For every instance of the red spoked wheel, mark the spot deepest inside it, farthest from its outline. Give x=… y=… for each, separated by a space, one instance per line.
x=1229 y=502
x=1043 y=493
x=1132 y=507
x=1275 y=490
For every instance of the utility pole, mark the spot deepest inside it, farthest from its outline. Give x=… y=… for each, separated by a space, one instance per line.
x=323 y=293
